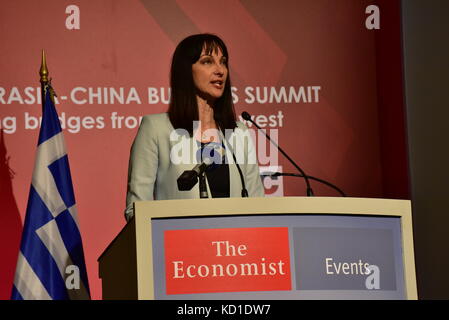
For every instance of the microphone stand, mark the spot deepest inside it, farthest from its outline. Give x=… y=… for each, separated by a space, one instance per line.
x=202 y=185
x=278 y=174
x=247 y=117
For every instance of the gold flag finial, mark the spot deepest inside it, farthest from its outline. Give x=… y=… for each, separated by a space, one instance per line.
x=43 y=72
x=45 y=80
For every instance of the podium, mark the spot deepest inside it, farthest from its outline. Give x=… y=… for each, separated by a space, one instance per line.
x=263 y=248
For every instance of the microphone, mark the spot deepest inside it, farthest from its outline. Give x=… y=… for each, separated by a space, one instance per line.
x=211 y=154
x=246 y=116
x=188 y=179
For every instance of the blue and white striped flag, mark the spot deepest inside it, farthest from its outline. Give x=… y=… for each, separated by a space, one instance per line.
x=51 y=258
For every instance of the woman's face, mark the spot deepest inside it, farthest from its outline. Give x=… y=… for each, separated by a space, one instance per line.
x=209 y=74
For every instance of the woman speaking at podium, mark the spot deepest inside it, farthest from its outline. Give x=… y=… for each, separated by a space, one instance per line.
x=198 y=131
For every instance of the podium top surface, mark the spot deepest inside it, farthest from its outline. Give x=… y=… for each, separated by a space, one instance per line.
x=273 y=205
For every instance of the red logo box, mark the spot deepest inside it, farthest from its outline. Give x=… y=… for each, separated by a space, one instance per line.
x=227 y=260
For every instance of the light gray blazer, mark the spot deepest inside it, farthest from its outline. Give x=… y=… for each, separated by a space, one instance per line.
x=160 y=154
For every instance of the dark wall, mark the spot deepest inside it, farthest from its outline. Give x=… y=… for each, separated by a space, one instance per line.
x=425 y=27
x=390 y=101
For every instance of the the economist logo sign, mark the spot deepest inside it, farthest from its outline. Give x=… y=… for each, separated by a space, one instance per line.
x=227 y=260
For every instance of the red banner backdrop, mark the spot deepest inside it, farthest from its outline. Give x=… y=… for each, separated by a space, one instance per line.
x=304 y=68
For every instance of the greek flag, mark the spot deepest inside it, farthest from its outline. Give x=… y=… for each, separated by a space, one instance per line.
x=51 y=258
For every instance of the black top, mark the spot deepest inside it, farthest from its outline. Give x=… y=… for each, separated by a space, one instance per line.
x=218 y=172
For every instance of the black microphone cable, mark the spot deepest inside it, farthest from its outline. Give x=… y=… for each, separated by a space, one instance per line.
x=244 y=191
